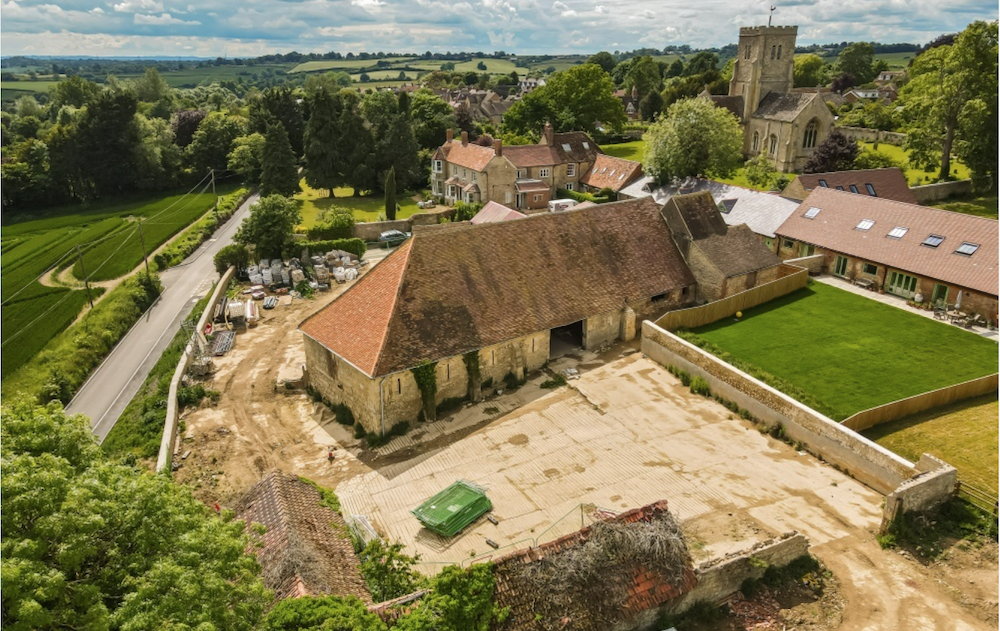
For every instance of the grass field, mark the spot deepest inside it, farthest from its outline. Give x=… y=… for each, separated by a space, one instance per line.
x=918 y=176
x=851 y=353
x=963 y=434
x=27 y=86
x=365 y=208
x=343 y=64
x=627 y=150
x=985 y=206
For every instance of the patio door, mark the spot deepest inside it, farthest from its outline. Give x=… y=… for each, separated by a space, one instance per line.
x=902 y=284
x=806 y=250
x=940 y=295
x=840 y=266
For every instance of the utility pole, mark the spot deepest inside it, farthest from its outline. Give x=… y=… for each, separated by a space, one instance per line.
x=86 y=282
x=216 y=195
x=142 y=240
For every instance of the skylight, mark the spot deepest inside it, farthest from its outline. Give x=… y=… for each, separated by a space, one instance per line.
x=871 y=190
x=967 y=248
x=612 y=172
x=811 y=213
x=933 y=241
x=865 y=224
x=727 y=205
x=566 y=146
x=823 y=184
x=586 y=145
x=840 y=188
x=854 y=189
x=897 y=232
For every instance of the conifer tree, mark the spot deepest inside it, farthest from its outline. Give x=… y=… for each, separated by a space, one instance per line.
x=279 y=173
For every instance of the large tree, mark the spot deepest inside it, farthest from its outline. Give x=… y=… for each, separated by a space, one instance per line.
x=247 y=156
x=644 y=76
x=950 y=101
x=432 y=118
x=108 y=139
x=357 y=156
x=858 y=60
x=212 y=142
x=809 y=71
x=279 y=173
x=322 y=141
x=279 y=105
x=576 y=99
x=837 y=152
x=270 y=225
x=90 y=544
x=604 y=59
x=694 y=138
x=390 y=195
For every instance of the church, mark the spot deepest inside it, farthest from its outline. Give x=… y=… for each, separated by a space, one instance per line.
x=784 y=124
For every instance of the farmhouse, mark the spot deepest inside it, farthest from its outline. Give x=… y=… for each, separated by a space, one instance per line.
x=912 y=251
x=885 y=183
x=480 y=304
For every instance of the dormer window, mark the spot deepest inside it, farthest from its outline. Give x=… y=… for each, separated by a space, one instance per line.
x=968 y=249
x=897 y=232
x=865 y=224
x=811 y=213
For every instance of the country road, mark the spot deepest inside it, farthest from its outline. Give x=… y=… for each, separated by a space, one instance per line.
x=110 y=388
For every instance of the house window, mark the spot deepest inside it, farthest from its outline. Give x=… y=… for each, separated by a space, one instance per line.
x=812 y=212
x=464 y=173
x=520 y=173
x=823 y=184
x=865 y=224
x=871 y=270
x=812 y=130
x=746 y=52
x=840 y=266
x=806 y=249
x=871 y=190
x=571 y=170
x=543 y=173
x=773 y=144
x=493 y=358
x=438 y=167
x=569 y=186
x=507 y=195
x=968 y=249
x=787 y=244
x=897 y=232
x=854 y=189
x=769 y=242
x=536 y=197
x=932 y=241
x=756 y=140
x=840 y=188
x=447 y=372
x=684 y=292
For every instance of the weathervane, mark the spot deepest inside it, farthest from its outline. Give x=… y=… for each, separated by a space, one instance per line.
x=771 y=15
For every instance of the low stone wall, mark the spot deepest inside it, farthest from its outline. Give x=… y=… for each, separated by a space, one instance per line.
x=431 y=217
x=719 y=579
x=812 y=263
x=941 y=190
x=859 y=457
x=873 y=135
x=937 y=482
x=370 y=230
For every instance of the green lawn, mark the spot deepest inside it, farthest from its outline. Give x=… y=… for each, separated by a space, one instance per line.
x=627 y=150
x=365 y=208
x=918 y=176
x=985 y=206
x=963 y=434
x=28 y=86
x=850 y=353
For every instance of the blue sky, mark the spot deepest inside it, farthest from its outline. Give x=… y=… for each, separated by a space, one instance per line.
x=254 y=27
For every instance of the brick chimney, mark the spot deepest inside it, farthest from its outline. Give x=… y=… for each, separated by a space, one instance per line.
x=548 y=135
x=498 y=147
x=449 y=135
x=465 y=138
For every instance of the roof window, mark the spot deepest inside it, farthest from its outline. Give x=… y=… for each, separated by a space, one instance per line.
x=968 y=249
x=823 y=184
x=865 y=224
x=897 y=232
x=727 y=205
x=854 y=189
x=612 y=172
x=840 y=188
x=871 y=190
x=811 y=213
x=566 y=147
x=932 y=241
x=586 y=145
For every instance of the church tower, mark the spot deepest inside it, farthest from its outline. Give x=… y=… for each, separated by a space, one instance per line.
x=764 y=64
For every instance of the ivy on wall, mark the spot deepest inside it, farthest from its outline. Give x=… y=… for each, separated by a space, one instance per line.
x=425 y=374
x=471 y=360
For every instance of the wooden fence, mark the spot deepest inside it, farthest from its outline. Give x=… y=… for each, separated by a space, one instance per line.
x=920 y=402
x=792 y=278
x=983 y=500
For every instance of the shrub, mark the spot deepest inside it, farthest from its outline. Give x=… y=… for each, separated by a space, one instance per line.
x=356 y=247
x=359 y=430
x=700 y=386
x=562 y=193
x=451 y=403
x=234 y=254
x=512 y=382
x=399 y=429
x=465 y=211
x=343 y=413
x=336 y=223
x=554 y=382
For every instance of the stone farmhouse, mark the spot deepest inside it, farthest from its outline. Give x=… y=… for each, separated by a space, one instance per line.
x=885 y=183
x=523 y=177
x=783 y=124
x=915 y=252
x=489 y=303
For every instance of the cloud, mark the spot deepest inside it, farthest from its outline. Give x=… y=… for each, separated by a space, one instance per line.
x=367 y=4
x=135 y=6
x=563 y=9
x=166 y=18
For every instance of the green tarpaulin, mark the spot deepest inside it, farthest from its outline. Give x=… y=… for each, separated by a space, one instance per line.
x=454 y=508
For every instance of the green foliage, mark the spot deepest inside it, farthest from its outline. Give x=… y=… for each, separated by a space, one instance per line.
x=858 y=60
x=200 y=231
x=279 y=105
x=572 y=100
x=451 y=403
x=694 y=138
x=700 y=387
x=682 y=375
x=580 y=196
x=387 y=571
x=270 y=225
x=874 y=115
x=471 y=361
x=464 y=211
x=555 y=382
x=246 y=157
x=604 y=59
x=461 y=600
x=343 y=414
x=322 y=613
x=425 y=375
x=354 y=246
x=928 y=535
x=234 y=254
x=837 y=152
x=212 y=142
x=512 y=382
x=876 y=160
x=326 y=496
x=93 y=545
x=190 y=396
x=390 y=195
x=359 y=430
x=432 y=117
x=760 y=172
x=336 y=223
x=279 y=174
x=322 y=141
x=809 y=71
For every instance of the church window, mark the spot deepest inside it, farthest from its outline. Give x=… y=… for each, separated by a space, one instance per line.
x=773 y=145
x=779 y=51
x=746 y=52
x=773 y=49
x=756 y=140
x=812 y=130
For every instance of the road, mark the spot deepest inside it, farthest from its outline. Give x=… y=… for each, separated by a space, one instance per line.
x=110 y=388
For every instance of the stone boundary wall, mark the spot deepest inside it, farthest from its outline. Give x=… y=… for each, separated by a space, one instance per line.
x=790 y=279
x=165 y=456
x=941 y=190
x=937 y=482
x=857 y=456
x=720 y=578
x=920 y=402
x=812 y=263
x=370 y=230
x=872 y=135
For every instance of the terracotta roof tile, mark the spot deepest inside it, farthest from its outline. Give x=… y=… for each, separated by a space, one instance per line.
x=493 y=212
x=835 y=228
x=524 y=156
x=470 y=156
x=575 y=146
x=611 y=172
x=306 y=550
x=888 y=183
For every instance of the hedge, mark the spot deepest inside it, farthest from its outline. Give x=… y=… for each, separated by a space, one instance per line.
x=562 y=193
x=354 y=246
x=200 y=231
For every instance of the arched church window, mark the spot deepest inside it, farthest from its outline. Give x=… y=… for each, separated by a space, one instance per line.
x=773 y=49
x=773 y=142
x=779 y=51
x=756 y=140
x=812 y=131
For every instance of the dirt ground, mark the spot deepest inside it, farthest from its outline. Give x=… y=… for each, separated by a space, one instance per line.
x=727 y=499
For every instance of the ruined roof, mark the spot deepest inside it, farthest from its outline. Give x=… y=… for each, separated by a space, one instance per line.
x=611 y=172
x=493 y=212
x=643 y=589
x=470 y=156
x=737 y=252
x=835 y=226
x=694 y=214
x=783 y=106
x=306 y=550
x=459 y=287
x=887 y=183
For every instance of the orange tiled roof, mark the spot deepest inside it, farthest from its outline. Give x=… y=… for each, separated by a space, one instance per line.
x=470 y=156
x=611 y=172
x=493 y=212
x=523 y=156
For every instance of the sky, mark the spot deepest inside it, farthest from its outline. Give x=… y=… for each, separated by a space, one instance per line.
x=210 y=28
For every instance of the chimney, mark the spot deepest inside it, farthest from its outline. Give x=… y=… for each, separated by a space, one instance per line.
x=548 y=136
x=465 y=138
x=498 y=147
x=449 y=135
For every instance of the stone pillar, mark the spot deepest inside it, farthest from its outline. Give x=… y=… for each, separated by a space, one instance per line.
x=628 y=324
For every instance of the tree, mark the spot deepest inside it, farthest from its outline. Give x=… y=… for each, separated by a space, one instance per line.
x=868 y=159
x=246 y=158
x=644 y=76
x=604 y=59
x=234 y=254
x=278 y=172
x=212 y=142
x=837 y=152
x=481 y=66
x=270 y=226
x=322 y=141
x=151 y=87
x=279 y=105
x=675 y=69
x=858 y=60
x=90 y=544
x=388 y=571
x=107 y=141
x=651 y=105
x=390 y=195
x=694 y=138
x=326 y=613
x=357 y=165
x=185 y=124
x=701 y=63
x=332 y=82
x=460 y=599
x=760 y=172
x=951 y=99
x=75 y=91
x=843 y=81
x=572 y=100
x=809 y=71
x=432 y=118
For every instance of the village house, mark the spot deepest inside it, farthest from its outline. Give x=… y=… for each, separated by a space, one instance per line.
x=887 y=183
x=915 y=252
x=523 y=177
x=724 y=259
x=489 y=303
x=609 y=172
x=781 y=123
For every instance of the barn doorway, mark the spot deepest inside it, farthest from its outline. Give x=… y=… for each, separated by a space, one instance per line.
x=565 y=340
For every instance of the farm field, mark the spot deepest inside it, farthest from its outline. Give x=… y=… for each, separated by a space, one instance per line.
x=846 y=353
x=367 y=208
x=28 y=86
x=963 y=434
x=343 y=64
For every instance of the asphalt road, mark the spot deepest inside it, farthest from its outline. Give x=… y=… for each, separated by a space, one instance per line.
x=110 y=388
